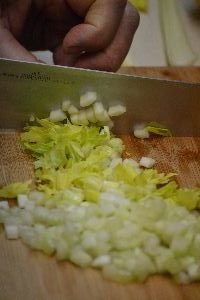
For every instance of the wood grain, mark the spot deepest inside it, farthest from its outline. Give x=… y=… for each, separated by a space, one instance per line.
x=29 y=275
x=187 y=74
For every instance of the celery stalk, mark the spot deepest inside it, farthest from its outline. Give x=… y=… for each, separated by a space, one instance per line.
x=141 y=5
x=178 y=49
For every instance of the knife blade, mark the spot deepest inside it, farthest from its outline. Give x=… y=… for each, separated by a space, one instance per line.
x=34 y=88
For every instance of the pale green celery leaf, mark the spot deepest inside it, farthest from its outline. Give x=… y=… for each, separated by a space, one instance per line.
x=46 y=123
x=52 y=159
x=116 y=144
x=51 y=180
x=78 y=157
x=139 y=192
x=156 y=128
x=189 y=198
x=35 y=134
x=74 y=150
x=38 y=133
x=37 y=148
x=64 y=178
x=152 y=176
x=56 y=144
x=91 y=186
x=71 y=195
x=91 y=182
x=141 y=5
x=109 y=185
x=91 y=195
x=14 y=189
x=123 y=173
x=167 y=191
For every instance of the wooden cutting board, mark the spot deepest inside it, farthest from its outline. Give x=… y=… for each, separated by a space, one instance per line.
x=29 y=275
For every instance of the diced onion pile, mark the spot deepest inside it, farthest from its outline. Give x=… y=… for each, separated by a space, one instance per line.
x=127 y=240
x=95 y=209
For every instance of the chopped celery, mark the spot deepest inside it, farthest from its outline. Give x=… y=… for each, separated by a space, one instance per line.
x=141 y=5
x=95 y=209
x=14 y=189
x=156 y=128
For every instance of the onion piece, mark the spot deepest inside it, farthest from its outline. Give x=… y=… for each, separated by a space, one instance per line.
x=98 y=110
x=4 y=204
x=83 y=118
x=12 y=232
x=101 y=261
x=90 y=115
x=21 y=200
x=116 y=110
x=88 y=98
x=72 y=109
x=66 y=104
x=147 y=162
x=36 y=195
x=32 y=118
x=80 y=257
x=75 y=119
x=141 y=133
x=57 y=115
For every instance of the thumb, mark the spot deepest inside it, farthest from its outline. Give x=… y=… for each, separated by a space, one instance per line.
x=10 y=48
x=100 y=25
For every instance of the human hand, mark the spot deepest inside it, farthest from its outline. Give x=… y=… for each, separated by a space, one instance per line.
x=80 y=33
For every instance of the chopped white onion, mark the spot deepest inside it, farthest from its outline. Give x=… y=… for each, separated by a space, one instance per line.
x=131 y=162
x=11 y=231
x=139 y=126
x=141 y=133
x=66 y=104
x=116 y=110
x=183 y=278
x=104 y=117
x=101 y=235
x=110 y=124
x=57 y=115
x=62 y=249
x=32 y=118
x=101 y=261
x=72 y=109
x=4 y=213
x=89 y=241
x=21 y=200
x=147 y=162
x=80 y=257
x=75 y=119
x=98 y=110
x=83 y=118
x=36 y=196
x=115 y=161
x=90 y=115
x=193 y=271
x=88 y=98
x=4 y=204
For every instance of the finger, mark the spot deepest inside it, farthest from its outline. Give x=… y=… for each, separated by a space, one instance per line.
x=100 y=26
x=10 y=48
x=111 y=58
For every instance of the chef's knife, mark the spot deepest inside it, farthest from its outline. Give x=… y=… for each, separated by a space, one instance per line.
x=30 y=88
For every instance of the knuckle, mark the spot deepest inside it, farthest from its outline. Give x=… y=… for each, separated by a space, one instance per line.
x=133 y=16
